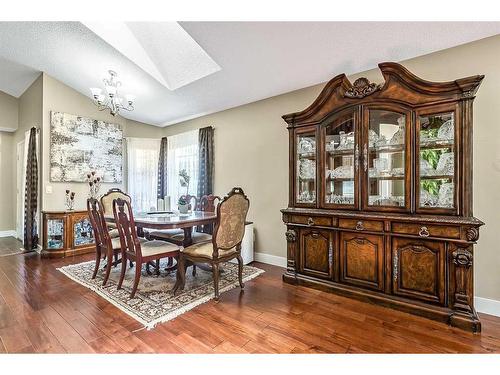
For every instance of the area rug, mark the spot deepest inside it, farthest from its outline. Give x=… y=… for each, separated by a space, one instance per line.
x=154 y=302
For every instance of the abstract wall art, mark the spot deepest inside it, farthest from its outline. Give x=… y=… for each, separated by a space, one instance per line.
x=80 y=144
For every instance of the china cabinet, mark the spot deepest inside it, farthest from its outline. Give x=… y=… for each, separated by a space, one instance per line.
x=380 y=200
x=66 y=233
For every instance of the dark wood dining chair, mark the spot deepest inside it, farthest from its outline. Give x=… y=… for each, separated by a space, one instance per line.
x=105 y=245
x=226 y=241
x=135 y=250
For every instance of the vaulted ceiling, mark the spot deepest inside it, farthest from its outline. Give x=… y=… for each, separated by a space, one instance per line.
x=188 y=69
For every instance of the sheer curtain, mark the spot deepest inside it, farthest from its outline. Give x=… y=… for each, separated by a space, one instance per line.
x=182 y=154
x=142 y=171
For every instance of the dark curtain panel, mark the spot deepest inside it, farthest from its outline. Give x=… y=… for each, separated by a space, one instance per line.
x=206 y=167
x=162 y=170
x=31 y=195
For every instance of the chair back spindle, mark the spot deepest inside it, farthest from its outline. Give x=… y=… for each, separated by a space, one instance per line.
x=125 y=223
x=98 y=222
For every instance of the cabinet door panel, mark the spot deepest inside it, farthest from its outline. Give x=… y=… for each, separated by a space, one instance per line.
x=386 y=158
x=419 y=269
x=306 y=187
x=316 y=253
x=362 y=260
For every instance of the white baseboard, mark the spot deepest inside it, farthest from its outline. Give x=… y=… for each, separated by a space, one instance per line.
x=270 y=259
x=487 y=306
x=8 y=233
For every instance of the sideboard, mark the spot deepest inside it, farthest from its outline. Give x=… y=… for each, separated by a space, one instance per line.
x=66 y=233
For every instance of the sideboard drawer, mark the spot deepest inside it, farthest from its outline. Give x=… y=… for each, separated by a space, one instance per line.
x=361 y=225
x=425 y=230
x=312 y=220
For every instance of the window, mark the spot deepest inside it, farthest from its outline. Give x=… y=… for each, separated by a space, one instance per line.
x=182 y=154
x=142 y=168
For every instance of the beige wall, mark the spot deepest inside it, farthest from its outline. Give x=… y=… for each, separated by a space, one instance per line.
x=59 y=97
x=9 y=107
x=7 y=184
x=29 y=115
x=251 y=150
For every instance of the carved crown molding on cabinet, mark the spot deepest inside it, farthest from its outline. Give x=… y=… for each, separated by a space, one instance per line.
x=400 y=86
x=361 y=88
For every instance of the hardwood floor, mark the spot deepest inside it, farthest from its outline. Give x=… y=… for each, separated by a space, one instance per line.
x=43 y=311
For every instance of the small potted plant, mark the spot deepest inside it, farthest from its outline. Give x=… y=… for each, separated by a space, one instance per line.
x=183 y=205
x=184 y=179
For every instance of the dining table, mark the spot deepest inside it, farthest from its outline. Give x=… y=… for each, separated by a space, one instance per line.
x=171 y=220
x=158 y=220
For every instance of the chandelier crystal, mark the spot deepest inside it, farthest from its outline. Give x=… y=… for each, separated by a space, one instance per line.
x=110 y=99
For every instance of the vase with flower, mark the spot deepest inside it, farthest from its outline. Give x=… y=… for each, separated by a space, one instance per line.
x=94 y=181
x=70 y=200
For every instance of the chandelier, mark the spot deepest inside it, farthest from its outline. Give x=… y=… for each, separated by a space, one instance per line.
x=110 y=100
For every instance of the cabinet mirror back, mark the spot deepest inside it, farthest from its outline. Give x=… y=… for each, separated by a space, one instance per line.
x=380 y=204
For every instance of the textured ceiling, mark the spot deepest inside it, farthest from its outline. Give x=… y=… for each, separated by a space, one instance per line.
x=256 y=59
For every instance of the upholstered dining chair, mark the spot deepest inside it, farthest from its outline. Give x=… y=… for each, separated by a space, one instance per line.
x=105 y=245
x=107 y=206
x=135 y=250
x=226 y=240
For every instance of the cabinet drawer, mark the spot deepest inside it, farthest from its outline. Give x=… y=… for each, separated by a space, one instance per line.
x=425 y=230
x=312 y=220
x=361 y=225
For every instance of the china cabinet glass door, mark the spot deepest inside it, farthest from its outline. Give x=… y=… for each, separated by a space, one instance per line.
x=55 y=234
x=305 y=176
x=386 y=147
x=341 y=152
x=436 y=160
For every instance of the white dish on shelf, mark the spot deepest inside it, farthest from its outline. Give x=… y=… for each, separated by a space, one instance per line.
x=447 y=130
x=306 y=146
x=445 y=197
x=427 y=199
x=346 y=141
x=446 y=164
x=307 y=169
x=344 y=171
x=398 y=172
x=426 y=169
x=372 y=138
x=399 y=137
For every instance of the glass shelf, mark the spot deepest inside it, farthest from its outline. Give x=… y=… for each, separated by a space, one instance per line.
x=388 y=178
x=387 y=148
x=341 y=152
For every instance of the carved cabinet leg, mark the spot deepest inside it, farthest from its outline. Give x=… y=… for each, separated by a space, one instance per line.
x=464 y=314
x=291 y=265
